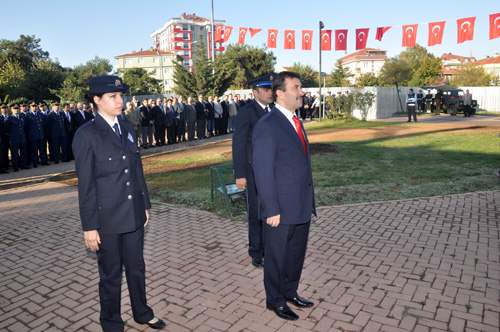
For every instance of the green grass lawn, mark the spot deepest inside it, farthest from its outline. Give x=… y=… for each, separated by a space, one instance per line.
x=428 y=164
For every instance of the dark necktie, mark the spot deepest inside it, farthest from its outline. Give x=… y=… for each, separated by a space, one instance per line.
x=117 y=132
x=267 y=109
x=299 y=132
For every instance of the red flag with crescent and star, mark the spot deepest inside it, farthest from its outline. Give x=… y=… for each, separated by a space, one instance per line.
x=410 y=35
x=227 y=32
x=361 y=37
x=494 y=26
x=436 y=30
x=289 y=39
x=465 y=27
x=341 y=40
x=326 y=40
x=254 y=31
x=218 y=33
x=272 y=34
x=307 y=39
x=241 y=38
x=380 y=32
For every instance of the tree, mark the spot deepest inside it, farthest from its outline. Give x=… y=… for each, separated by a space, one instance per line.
x=141 y=82
x=368 y=79
x=26 y=50
x=184 y=82
x=470 y=75
x=44 y=77
x=11 y=77
x=363 y=101
x=339 y=75
x=413 y=67
x=308 y=76
x=249 y=61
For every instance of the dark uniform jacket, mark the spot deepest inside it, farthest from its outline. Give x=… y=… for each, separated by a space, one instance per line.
x=14 y=128
x=34 y=126
x=244 y=123
x=112 y=192
x=56 y=124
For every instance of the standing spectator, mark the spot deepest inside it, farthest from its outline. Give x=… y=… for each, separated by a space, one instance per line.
x=232 y=110
x=225 y=115
x=190 y=119
x=114 y=203
x=171 y=123
x=81 y=116
x=72 y=108
x=306 y=103
x=159 y=122
x=242 y=100
x=420 y=100
x=70 y=129
x=217 y=116
x=315 y=107
x=34 y=134
x=146 y=124
x=201 y=117
x=283 y=177
x=428 y=101
x=250 y=97
x=438 y=101
x=135 y=102
x=411 y=101
x=244 y=123
x=57 y=133
x=132 y=117
x=210 y=116
x=14 y=127
x=5 y=146
x=181 y=119
x=467 y=103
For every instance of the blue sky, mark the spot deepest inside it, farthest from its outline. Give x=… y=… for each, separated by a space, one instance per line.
x=76 y=31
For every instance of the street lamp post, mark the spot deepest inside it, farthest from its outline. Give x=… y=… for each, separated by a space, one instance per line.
x=213 y=40
x=321 y=26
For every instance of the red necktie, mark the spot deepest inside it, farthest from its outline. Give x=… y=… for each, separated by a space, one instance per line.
x=299 y=131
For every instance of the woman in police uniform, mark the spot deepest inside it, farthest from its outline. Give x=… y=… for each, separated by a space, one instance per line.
x=114 y=202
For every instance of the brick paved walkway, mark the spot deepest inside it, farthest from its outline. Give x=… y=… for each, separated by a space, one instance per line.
x=429 y=264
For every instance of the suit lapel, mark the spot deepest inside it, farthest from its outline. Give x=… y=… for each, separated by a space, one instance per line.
x=107 y=131
x=287 y=127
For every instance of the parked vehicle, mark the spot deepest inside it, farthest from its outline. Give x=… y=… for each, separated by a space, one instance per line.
x=453 y=99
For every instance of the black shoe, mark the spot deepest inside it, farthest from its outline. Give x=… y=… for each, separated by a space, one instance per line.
x=300 y=302
x=257 y=262
x=284 y=312
x=158 y=325
x=27 y=167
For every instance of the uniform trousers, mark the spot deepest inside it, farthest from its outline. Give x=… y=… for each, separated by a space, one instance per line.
x=15 y=149
x=59 y=149
x=5 y=153
x=36 y=146
x=118 y=251
x=255 y=240
x=285 y=250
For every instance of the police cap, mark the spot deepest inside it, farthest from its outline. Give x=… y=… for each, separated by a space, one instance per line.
x=14 y=105
x=33 y=103
x=3 y=105
x=262 y=82
x=107 y=83
x=55 y=102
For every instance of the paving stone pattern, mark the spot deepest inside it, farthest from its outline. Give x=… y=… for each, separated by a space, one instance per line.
x=428 y=264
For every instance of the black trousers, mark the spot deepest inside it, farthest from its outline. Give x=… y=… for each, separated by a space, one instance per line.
x=191 y=129
x=172 y=133
x=181 y=130
x=160 y=135
x=411 y=112
x=59 y=149
x=36 y=147
x=5 y=152
x=118 y=251
x=200 y=128
x=285 y=250
x=255 y=237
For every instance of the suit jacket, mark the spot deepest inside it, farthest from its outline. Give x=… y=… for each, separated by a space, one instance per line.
x=112 y=191
x=244 y=123
x=282 y=171
x=468 y=99
x=225 y=109
x=200 y=110
x=170 y=119
x=179 y=111
x=79 y=120
x=69 y=125
x=145 y=115
x=211 y=111
x=190 y=113
x=158 y=116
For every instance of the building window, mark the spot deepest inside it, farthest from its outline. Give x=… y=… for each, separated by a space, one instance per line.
x=165 y=70
x=128 y=61
x=184 y=27
x=165 y=59
x=155 y=60
x=186 y=54
x=140 y=60
x=192 y=28
x=185 y=36
x=201 y=28
x=186 y=45
x=186 y=62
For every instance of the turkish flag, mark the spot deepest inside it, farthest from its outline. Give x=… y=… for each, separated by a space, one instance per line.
x=410 y=35
x=218 y=32
x=326 y=40
x=340 y=40
x=361 y=37
x=307 y=39
x=494 y=26
x=243 y=32
x=254 y=31
x=436 y=30
x=465 y=27
x=380 y=32
x=289 y=39
x=227 y=32
x=272 y=34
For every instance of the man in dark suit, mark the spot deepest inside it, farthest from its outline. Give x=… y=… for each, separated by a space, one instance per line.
x=113 y=199
x=210 y=116
x=244 y=123
x=14 y=127
x=283 y=176
x=69 y=128
x=181 y=118
x=171 y=122
x=146 y=124
x=57 y=133
x=159 y=123
x=190 y=119
x=81 y=116
x=225 y=115
x=35 y=134
x=201 y=117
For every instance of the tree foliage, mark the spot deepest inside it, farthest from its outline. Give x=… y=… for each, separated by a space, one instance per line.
x=368 y=79
x=11 y=77
x=308 y=76
x=44 y=77
x=26 y=51
x=470 y=75
x=249 y=61
x=413 y=67
x=141 y=82
x=339 y=75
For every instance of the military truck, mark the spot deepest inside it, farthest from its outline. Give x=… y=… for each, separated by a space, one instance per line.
x=453 y=99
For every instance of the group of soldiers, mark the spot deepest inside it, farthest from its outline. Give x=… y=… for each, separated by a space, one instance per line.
x=36 y=135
